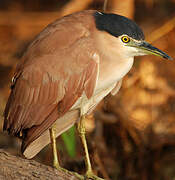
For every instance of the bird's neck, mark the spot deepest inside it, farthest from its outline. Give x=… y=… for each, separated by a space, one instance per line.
x=111 y=71
x=114 y=64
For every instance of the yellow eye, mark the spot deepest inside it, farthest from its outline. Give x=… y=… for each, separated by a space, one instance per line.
x=125 y=39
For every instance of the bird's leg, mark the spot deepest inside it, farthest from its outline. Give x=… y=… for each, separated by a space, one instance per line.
x=55 y=154
x=56 y=163
x=82 y=131
x=54 y=148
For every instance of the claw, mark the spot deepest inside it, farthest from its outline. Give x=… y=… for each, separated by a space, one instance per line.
x=91 y=175
x=80 y=177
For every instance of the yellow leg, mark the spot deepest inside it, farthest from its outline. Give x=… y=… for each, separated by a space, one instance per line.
x=82 y=131
x=55 y=154
x=54 y=148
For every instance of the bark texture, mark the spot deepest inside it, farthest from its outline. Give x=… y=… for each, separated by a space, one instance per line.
x=13 y=167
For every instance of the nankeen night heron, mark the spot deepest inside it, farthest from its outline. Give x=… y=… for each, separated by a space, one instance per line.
x=65 y=72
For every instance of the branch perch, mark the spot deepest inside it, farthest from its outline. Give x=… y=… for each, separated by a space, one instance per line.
x=13 y=167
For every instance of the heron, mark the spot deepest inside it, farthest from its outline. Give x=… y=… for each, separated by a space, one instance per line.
x=65 y=72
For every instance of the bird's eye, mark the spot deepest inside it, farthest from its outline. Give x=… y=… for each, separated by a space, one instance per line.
x=125 y=39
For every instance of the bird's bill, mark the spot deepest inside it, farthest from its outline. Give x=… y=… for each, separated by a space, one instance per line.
x=149 y=49
x=146 y=48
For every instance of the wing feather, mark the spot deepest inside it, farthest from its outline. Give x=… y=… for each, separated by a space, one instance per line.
x=49 y=81
x=31 y=104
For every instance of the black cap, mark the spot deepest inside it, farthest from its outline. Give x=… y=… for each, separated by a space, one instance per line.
x=117 y=25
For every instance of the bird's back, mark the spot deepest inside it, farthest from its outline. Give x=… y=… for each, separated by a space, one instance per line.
x=56 y=69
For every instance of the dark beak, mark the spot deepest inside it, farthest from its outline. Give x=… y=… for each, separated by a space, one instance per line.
x=149 y=49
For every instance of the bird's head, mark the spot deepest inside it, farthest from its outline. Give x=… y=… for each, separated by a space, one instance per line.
x=127 y=35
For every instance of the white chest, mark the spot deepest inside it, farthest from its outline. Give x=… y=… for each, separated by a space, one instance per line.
x=87 y=105
x=111 y=72
x=109 y=75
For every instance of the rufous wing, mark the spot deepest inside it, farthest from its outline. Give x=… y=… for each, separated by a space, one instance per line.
x=37 y=100
x=52 y=75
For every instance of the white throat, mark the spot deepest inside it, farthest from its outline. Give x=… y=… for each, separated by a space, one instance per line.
x=114 y=63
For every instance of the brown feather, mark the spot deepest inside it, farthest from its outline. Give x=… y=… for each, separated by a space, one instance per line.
x=53 y=73
x=31 y=148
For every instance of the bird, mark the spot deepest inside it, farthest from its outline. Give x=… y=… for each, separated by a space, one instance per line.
x=65 y=72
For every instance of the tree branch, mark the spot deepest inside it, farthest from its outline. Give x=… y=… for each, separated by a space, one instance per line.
x=13 y=167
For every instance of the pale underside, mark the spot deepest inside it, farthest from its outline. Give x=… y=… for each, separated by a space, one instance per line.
x=64 y=74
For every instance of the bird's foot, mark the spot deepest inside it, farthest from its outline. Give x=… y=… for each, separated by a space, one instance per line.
x=80 y=177
x=90 y=175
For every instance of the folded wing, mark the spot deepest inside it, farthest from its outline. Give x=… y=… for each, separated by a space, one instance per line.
x=48 y=82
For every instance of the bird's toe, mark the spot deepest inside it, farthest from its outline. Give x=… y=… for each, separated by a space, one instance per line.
x=91 y=176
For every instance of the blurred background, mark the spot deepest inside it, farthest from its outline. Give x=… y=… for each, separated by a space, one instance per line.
x=130 y=135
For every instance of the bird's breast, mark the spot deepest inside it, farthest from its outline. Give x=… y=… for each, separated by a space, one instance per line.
x=87 y=105
x=109 y=74
x=111 y=71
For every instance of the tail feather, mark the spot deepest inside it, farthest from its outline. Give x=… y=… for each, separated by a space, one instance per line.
x=6 y=112
x=31 y=147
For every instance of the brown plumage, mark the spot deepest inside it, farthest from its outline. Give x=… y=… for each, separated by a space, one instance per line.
x=66 y=71
x=51 y=76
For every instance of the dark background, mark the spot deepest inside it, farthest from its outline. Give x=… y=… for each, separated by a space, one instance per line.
x=131 y=135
